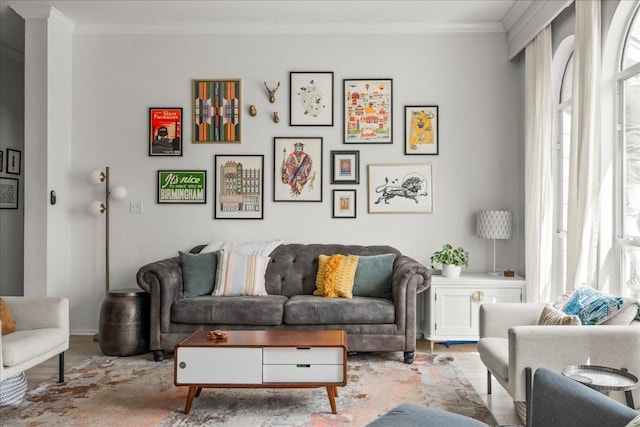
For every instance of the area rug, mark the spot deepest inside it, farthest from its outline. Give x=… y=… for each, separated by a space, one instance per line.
x=136 y=391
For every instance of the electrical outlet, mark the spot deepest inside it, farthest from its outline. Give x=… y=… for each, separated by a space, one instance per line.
x=136 y=207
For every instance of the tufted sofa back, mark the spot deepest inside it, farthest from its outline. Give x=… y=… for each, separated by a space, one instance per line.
x=293 y=267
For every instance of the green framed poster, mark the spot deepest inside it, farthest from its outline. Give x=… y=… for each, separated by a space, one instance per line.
x=182 y=186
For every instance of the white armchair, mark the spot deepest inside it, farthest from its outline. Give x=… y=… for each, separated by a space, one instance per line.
x=511 y=340
x=42 y=331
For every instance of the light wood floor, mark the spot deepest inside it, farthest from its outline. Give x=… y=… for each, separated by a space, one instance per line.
x=466 y=356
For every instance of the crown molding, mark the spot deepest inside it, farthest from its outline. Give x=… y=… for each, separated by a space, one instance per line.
x=523 y=22
x=324 y=28
x=42 y=11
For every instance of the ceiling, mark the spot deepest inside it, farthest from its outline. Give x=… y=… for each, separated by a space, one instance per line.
x=290 y=16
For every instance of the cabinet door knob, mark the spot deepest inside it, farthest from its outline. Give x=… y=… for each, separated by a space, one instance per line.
x=182 y=365
x=476 y=296
x=480 y=296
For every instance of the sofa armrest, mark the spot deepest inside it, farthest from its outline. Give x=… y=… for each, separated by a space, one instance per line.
x=39 y=312
x=163 y=281
x=409 y=278
x=555 y=347
x=497 y=318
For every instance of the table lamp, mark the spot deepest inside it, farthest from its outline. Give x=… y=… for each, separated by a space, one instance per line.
x=494 y=225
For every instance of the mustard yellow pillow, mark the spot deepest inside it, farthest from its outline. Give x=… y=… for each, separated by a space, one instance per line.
x=335 y=276
x=6 y=317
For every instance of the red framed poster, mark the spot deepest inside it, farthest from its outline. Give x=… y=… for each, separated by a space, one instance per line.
x=165 y=131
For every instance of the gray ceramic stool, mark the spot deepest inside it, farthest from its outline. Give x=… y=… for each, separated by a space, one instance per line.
x=124 y=323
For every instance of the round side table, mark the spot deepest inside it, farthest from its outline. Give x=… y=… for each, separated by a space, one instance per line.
x=603 y=379
x=124 y=323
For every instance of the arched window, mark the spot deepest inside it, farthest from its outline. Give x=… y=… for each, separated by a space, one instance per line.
x=628 y=84
x=563 y=82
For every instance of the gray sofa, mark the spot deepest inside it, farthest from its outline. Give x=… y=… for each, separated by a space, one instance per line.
x=372 y=324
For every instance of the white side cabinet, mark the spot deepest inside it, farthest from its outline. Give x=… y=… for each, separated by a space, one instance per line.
x=452 y=305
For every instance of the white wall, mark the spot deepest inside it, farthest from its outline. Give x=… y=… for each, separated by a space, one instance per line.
x=116 y=78
x=11 y=136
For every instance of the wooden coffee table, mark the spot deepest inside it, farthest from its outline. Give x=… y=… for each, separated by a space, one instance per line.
x=262 y=359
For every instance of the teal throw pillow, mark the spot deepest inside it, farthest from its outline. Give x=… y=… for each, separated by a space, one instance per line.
x=198 y=273
x=592 y=306
x=374 y=276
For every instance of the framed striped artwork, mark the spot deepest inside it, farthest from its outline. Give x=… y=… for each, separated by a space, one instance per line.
x=216 y=111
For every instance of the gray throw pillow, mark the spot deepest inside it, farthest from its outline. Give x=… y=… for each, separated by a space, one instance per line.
x=198 y=273
x=374 y=276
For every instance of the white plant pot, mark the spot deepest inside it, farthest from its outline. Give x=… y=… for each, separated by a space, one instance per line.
x=450 y=270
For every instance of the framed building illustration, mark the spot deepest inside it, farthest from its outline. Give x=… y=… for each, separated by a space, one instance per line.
x=239 y=186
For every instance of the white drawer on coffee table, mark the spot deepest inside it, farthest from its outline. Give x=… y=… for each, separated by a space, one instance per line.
x=218 y=366
x=303 y=373
x=293 y=355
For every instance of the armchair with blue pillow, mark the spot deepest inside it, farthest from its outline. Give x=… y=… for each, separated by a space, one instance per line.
x=589 y=328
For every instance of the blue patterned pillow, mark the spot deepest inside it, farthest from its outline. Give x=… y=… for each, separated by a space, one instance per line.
x=592 y=306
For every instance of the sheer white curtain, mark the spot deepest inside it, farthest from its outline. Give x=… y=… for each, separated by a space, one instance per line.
x=538 y=127
x=584 y=163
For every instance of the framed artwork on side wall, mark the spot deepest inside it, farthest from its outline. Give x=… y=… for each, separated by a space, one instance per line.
x=14 y=158
x=367 y=112
x=401 y=188
x=238 y=186
x=9 y=193
x=421 y=130
x=216 y=111
x=165 y=131
x=1 y=161
x=297 y=169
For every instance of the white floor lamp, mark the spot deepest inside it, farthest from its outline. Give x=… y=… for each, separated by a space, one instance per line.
x=494 y=225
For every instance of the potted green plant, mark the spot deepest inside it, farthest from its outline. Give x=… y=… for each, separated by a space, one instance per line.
x=451 y=259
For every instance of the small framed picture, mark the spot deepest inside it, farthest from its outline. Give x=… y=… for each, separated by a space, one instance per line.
x=216 y=111
x=13 y=161
x=401 y=188
x=165 y=131
x=9 y=193
x=239 y=186
x=182 y=186
x=367 y=112
x=311 y=98
x=344 y=204
x=297 y=169
x=345 y=167
x=421 y=130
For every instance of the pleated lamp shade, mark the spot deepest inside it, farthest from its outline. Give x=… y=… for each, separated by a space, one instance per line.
x=494 y=224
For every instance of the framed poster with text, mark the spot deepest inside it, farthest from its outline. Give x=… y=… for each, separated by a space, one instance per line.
x=165 y=131
x=182 y=186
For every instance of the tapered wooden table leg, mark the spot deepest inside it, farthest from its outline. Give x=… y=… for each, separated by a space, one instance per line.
x=331 y=392
x=192 y=392
x=198 y=390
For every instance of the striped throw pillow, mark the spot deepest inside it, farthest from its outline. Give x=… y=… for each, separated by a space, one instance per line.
x=336 y=275
x=552 y=316
x=240 y=274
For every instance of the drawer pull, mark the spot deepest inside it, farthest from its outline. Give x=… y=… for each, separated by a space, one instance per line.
x=182 y=365
x=303 y=348
x=303 y=365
